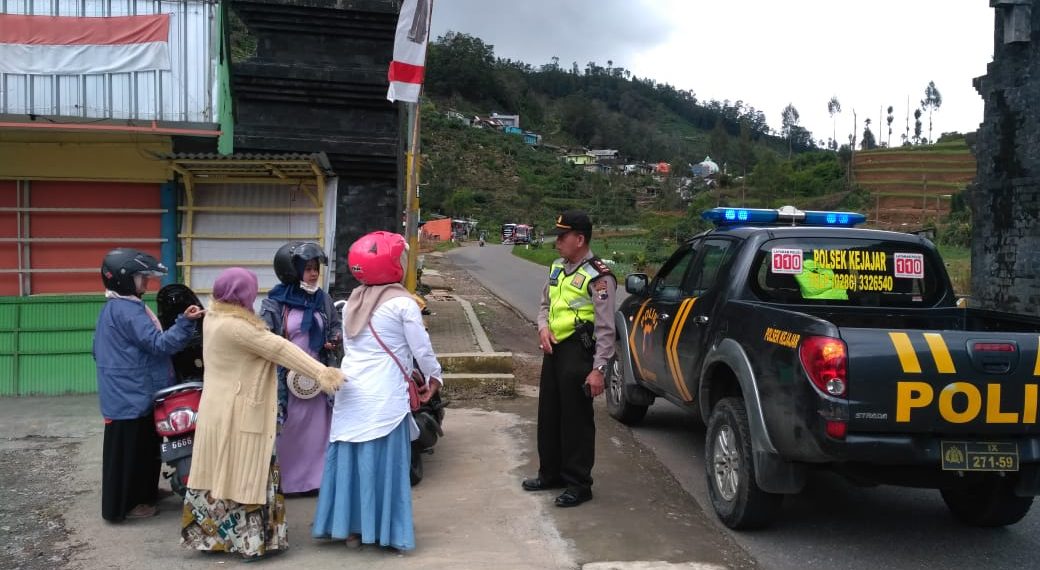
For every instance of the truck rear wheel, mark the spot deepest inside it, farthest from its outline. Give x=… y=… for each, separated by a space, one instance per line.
x=735 y=495
x=989 y=503
x=618 y=405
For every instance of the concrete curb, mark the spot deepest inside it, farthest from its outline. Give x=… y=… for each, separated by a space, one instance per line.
x=478 y=329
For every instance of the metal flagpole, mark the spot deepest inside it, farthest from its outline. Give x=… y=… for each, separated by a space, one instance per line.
x=411 y=225
x=413 y=163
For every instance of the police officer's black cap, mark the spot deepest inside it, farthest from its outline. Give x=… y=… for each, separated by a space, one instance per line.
x=572 y=221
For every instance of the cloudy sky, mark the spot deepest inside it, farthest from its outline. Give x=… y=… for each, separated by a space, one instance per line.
x=768 y=53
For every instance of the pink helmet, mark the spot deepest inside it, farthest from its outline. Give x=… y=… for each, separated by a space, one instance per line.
x=376 y=258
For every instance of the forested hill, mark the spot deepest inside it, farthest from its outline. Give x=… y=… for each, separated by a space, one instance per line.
x=470 y=172
x=593 y=106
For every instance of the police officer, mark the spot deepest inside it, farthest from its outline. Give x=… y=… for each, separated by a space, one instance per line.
x=576 y=334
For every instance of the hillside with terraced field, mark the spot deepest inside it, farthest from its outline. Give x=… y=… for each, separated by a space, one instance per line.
x=913 y=187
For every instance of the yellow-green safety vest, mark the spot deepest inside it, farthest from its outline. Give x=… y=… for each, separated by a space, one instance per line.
x=569 y=297
x=818 y=283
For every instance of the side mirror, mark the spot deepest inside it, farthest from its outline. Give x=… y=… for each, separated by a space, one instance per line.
x=635 y=283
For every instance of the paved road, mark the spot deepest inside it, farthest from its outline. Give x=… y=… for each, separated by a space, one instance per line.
x=832 y=523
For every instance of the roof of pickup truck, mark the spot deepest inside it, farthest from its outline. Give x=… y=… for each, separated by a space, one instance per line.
x=779 y=231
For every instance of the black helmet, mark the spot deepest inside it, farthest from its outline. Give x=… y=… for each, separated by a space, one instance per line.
x=291 y=259
x=120 y=266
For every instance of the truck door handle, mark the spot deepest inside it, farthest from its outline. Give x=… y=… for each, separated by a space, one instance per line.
x=665 y=316
x=701 y=319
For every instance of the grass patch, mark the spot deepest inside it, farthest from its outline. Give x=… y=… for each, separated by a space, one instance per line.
x=958 y=265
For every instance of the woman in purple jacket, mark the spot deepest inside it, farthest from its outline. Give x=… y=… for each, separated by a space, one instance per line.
x=132 y=354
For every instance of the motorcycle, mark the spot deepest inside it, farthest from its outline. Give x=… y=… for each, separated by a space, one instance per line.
x=176 y=408
x=481 y=242
x=429 y=417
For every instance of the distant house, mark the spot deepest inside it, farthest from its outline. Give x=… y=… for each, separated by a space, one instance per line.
x=487 y=123
x=705 y=168
x=457 y=116
x=511 y=130
x=638 y=168
x=604 y=154
x=507 y=120
x=580 y=159
x=532 y=138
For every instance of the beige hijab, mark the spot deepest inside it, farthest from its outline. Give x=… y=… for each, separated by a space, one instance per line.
x=363 y=302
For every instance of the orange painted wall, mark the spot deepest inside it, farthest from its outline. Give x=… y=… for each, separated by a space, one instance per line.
x=122 y=228
x=437 y=230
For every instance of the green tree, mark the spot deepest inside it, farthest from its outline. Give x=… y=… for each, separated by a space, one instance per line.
x=889 y=118
x=788 y=123
x=931 y=102
x=745 y=151
x=868 y=142
x=834 y=108
x=461 y=63
x=719 y=142
x=917 y=127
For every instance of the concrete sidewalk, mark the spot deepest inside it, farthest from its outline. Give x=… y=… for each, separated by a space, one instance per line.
x=469 y=509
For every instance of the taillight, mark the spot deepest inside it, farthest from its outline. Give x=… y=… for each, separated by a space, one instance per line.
x=993 y=347
x=176 y=422
x=825 y=360
x=182 y=419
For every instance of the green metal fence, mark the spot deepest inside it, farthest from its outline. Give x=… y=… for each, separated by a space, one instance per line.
x=46 y=344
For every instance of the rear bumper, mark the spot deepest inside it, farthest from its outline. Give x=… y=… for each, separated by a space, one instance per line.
x=923 y=450
x=915 y=461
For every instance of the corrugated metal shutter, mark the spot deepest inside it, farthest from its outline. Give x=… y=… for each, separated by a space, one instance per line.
x=9 y=236
x=74 y=224
x=245 y=224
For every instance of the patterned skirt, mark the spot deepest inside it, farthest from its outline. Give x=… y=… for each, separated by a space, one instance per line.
x=222 y=525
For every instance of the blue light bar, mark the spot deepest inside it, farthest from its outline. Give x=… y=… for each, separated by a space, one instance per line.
x=787 y=215
x=840 y=219
x=739 y=216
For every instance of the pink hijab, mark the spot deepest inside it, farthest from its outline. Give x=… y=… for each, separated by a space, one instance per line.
x=237 y=286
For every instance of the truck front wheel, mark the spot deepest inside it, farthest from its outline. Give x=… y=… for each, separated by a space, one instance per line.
x=618 y=405
x=735 y=495
x=989 y=503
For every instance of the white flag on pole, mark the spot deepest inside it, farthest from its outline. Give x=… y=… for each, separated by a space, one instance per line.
x=409 y=64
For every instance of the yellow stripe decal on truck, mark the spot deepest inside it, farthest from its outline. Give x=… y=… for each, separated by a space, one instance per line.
x=1036 y=367
x=636 y=350
x=905 y=350
x=940 y=353
x=672 y=346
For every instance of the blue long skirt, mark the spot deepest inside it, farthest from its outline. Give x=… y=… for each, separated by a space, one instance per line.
x=365 y=490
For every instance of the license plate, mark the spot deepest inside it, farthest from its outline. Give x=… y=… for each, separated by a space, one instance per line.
x=179 y=443
x=979 y=456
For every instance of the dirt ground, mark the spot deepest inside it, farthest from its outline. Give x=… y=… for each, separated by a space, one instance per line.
x=33 y=470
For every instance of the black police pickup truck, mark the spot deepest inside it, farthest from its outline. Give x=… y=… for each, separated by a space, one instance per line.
x=806 y=343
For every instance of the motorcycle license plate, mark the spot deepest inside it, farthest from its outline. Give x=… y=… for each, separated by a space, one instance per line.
x=176 y=444
x=979 y=456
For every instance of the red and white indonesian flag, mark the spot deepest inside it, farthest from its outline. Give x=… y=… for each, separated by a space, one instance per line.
x=66 y=45
x=409 y=64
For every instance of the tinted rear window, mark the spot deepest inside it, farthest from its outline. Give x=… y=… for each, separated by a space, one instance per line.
x=846 y=272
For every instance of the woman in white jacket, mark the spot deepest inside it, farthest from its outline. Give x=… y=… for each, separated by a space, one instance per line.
x=366 y=494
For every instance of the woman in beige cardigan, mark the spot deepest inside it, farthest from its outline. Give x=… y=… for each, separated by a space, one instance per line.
x=234 y=503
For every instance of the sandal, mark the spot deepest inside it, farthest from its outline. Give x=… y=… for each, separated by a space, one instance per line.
x=142 y=512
